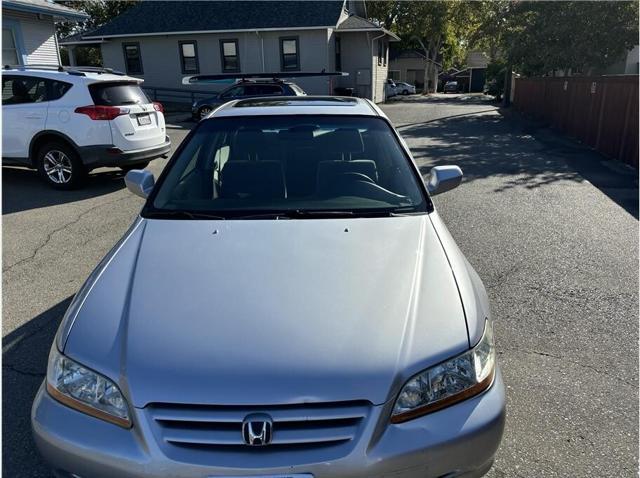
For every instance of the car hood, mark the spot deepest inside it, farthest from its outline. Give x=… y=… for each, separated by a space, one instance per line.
x=269 y=312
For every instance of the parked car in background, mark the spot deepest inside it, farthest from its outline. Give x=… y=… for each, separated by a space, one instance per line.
x=390 y=88
x=288 y=304
x=64 y=122
x=244 y=89
x=403 y=88
x=451 y=87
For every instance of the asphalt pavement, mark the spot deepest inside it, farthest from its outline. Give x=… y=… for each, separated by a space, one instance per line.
x=550 y=226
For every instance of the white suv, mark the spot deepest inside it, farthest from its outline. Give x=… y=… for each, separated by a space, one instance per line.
x=67 y=121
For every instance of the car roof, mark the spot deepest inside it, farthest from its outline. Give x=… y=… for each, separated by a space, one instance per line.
x=264 y=81
x=70 y=76
x=298 y=105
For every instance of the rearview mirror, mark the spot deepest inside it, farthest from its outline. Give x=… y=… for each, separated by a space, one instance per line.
x=443 y=178
x=139 y=182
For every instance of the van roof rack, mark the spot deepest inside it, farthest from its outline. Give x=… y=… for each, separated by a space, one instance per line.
x=72 y=70
x=245 y=77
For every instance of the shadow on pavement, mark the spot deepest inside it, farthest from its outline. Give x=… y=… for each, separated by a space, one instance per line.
x=22 y=189
x=453 y=99
x=495 y=145
x=24 y=364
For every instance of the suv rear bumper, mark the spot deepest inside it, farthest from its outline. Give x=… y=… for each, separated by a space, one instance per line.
x=108 y=155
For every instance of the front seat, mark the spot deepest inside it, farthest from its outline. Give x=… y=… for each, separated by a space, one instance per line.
x=343 y=143
x=252 y=179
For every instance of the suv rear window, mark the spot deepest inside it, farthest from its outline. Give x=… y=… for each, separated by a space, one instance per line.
x=117 y=94
x=255 y=90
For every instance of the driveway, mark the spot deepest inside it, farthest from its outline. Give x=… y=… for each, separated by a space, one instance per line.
x=551 y=228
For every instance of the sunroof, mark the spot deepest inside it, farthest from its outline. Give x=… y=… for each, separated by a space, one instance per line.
x=301 y=101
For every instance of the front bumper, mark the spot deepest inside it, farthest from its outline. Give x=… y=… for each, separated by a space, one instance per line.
x=108 y=155
x=458 y=441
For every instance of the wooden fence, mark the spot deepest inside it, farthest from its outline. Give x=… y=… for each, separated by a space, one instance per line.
x=600 y=111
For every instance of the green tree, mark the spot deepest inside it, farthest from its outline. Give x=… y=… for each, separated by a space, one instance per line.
x=439 y=29
x=542 y=36
x=99 y=11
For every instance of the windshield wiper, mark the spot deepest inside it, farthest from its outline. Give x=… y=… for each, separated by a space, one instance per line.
x=327 y=214
x=181 y=215
x=298 y=214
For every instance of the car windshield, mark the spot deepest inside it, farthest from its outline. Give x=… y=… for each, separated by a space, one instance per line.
x=243 y=166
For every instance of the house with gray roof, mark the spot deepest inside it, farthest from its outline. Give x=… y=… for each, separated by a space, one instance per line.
x=28 y=31
x=162 y=42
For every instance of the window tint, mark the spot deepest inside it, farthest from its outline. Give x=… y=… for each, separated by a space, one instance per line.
x=235 y=91
x=289 y=59
x=258 y=89
x=23 y=89
x=57 y=89
x=118 y=94
x=233 y=166
x=229 y=55
x=189 y=57
x=132 y=58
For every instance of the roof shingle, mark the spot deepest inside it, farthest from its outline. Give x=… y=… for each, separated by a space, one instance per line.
x=164 y=17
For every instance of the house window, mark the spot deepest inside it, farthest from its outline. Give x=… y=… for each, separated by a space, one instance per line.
x=380 y=51
x=189 y=56
x=289 y=59
x=9 y=51
x=132 y=58
x=338 y=55
x=229 y=55
x=385 y=53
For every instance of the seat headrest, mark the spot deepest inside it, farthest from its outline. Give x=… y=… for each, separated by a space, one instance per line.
x=302 y=132
x=19 y=88
x=345 y=140
x=247 y=143
x=252 y=179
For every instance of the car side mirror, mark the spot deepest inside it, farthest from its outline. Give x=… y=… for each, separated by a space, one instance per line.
x=139 y=182
x=443 y=178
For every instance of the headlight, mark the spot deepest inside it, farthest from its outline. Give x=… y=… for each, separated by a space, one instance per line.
x=449 y=382
x=85 y=390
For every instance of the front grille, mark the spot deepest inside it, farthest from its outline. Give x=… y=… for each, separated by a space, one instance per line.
x=212 y=435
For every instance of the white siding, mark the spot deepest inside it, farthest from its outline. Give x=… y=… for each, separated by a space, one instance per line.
x=380 y=70
x=38 y=37
x=356 y=55
x=161 y=60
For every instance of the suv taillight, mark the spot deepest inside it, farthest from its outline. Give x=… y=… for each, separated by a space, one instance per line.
x=96 y=112
x=158 y=107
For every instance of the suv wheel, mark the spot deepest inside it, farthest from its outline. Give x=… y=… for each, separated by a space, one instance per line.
x=129 y=167
x=59 y=166
x=204 y=111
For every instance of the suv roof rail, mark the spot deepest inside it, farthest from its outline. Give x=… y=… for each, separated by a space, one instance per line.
x=72 y=70
x=240 y=77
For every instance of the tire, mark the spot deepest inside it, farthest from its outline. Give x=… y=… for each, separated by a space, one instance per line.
x=59 y=166
x=204 y=111
x=129 y=167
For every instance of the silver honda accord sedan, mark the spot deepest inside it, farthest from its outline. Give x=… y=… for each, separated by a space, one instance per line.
x=288 y=304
